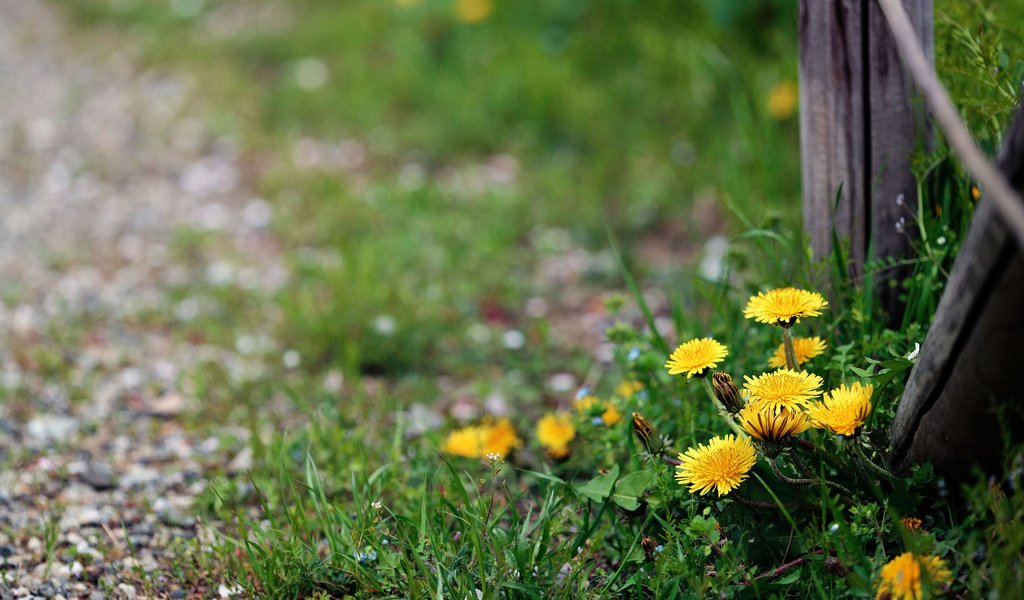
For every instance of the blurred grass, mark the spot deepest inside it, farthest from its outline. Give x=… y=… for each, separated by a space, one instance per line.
x=465 y=143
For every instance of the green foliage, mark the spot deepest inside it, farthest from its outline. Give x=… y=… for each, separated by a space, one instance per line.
x=622 y=117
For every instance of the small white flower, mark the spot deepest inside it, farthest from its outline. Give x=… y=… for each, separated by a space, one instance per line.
x=913 y=355
x=375 y=505
x=494 y=457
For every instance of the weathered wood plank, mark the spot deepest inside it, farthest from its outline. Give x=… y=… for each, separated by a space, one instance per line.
x=859 y=127
x=971 y=359
x=832 y=123
x=897 y=126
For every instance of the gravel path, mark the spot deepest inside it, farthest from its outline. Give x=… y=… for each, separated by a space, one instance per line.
x=101 y=163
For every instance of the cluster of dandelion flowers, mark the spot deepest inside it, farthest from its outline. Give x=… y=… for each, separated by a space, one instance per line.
x=782 y=389
x=603 y=413
x=721 y=465
x=844 y=410
x=784 y=306
x=695 y=357
x=554 y=432
x=477 y=441
x=805 y=349
x=902 y=576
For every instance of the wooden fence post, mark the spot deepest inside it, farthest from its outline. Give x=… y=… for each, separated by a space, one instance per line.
x=970 y=362
x=858 y=128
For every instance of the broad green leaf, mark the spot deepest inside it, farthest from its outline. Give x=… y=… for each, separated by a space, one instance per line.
x=631 y=488
x=600 y=487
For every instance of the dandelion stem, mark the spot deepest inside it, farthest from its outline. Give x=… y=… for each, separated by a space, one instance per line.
x=790 y=480
x=847 y=494
x=871 y=466
x=787 y=345
x=706 y=382
x=771 y=505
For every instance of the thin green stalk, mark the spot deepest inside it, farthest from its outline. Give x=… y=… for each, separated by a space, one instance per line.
x=706 y=382
x=790 y=480
x=871 y=466
x=787 y=345
x=810 y=480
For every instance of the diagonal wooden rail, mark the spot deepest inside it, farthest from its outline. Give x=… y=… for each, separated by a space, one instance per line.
x=969 y=362
x=992 y=182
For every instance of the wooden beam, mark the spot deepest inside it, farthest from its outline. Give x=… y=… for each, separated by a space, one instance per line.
x=970 y=361
x=859 y=126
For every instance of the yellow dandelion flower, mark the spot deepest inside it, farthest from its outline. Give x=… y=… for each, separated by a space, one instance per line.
x=695 y=356
x=901 y=577
x=554 y=432
x=784 y=306
x=599 y=409
x=805 y=348
x=480 y=440
x=467 y=442
x=768 y=425
x=782 y=100
x=501 y=438
x=721 y=465
x=611 y=415
x=627 y=389
x=782 y=389
x=473 y=11
x=843 y=410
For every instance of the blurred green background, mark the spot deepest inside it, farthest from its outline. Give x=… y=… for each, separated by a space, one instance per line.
x=429 y=161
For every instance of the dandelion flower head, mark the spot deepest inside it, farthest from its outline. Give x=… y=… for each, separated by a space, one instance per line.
x=782 y=389
x=784 y=306
x=901 y=577
x=766 y=424
x=695 y=356
x=476 y=441
x=782 y=100
x=627 y=389
x=599 y=409
x=844 y=410
x=473 y=11
x=805 y=349
x=554 y=432
x=721 y=465
x=501 y=439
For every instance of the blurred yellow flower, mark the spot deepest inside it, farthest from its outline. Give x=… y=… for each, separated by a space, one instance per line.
x=626 y=389
x=768 y=425
x=721 y=465
x=695 y=356
x=782 y=389
x=599 y=409
x=554 y=432
x=901 y=577
x=473 y=11
x=844 y=410
x=467 y=442
x=806 y=348
x=501 y=439
x=782 y=100
x=480 y=440
x=784 y=306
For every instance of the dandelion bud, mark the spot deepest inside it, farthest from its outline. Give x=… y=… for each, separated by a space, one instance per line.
x=727 y=392
x=644 y=431
x=650 y=546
